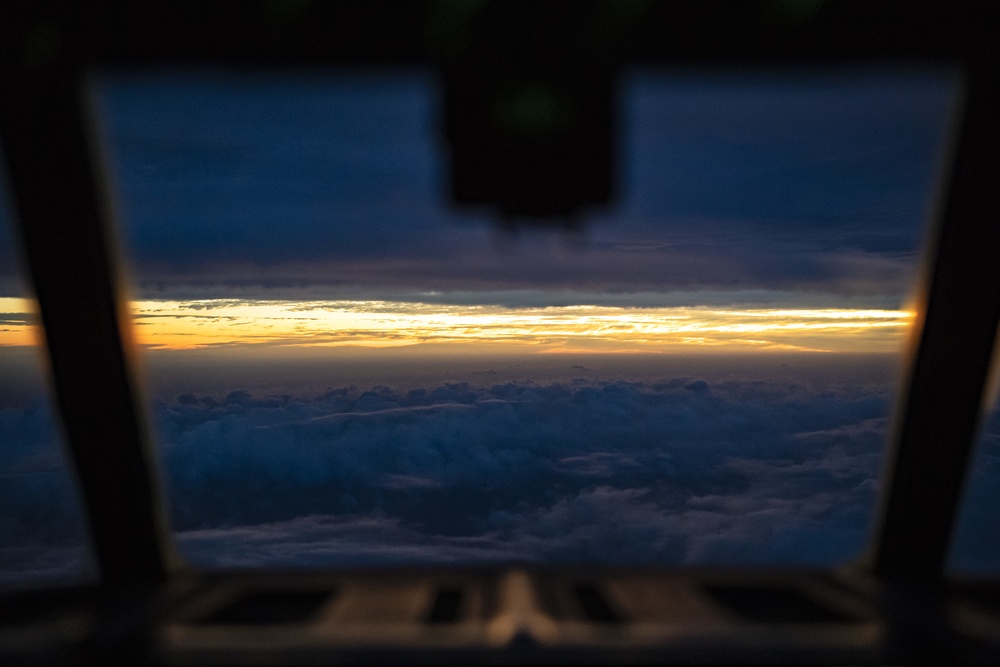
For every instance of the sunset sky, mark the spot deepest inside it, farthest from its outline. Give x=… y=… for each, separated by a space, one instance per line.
x=180 y=325
x=775 y=211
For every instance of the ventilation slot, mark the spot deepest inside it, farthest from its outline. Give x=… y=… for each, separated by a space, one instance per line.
x=595 y=606
x=760 y=604
x=269 y=608
x=446 y=607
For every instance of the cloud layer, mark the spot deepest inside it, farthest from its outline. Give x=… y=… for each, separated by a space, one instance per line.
x=976 y=546
x=42 y=534
x=675 y=472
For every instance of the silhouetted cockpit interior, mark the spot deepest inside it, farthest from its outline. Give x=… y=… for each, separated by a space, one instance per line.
x=531 y=131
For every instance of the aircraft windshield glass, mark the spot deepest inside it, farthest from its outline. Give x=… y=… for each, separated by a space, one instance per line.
x=976 y=544
x=42 y=532
x=345 y=369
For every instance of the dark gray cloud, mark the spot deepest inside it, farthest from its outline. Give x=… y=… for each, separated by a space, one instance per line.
x=745 y=267
x=18 y=319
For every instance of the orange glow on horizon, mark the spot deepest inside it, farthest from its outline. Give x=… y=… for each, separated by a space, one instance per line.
x=180 y=325
x=17 y=322
x=175 y=325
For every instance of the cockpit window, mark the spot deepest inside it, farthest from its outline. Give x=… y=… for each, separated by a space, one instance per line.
x=346 y=368
x=976 y=542
x=43 y=538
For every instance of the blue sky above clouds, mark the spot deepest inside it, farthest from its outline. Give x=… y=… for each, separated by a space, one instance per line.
x=795 y=181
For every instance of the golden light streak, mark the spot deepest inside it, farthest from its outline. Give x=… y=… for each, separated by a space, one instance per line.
x=17 y=322
x=192 y=324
